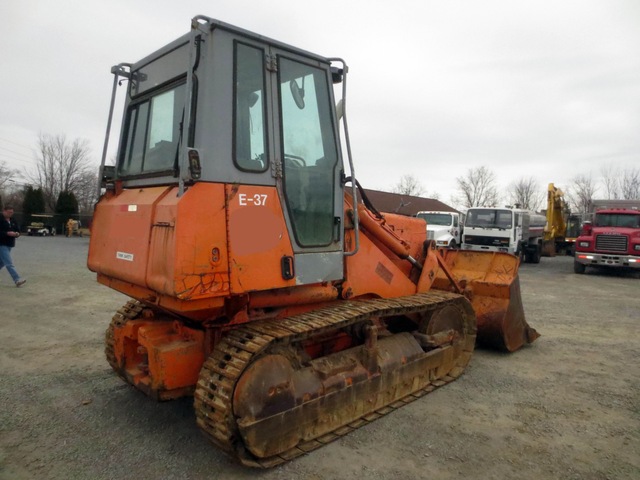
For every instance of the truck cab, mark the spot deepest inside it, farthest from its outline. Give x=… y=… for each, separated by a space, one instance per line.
x=445 y=228
x=515 y=231
x=611 y=240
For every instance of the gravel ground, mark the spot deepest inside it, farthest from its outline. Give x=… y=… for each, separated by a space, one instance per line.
x=566 y=407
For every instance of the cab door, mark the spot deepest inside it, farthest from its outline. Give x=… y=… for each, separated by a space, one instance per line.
x=308 y=165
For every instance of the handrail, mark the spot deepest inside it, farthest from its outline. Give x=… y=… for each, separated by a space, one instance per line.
x=356 y=223
x=117 y=71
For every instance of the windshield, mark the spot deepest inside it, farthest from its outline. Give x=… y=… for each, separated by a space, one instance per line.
x=573 y=227
x=489 y=218
x=436 y=218
x=617 y=220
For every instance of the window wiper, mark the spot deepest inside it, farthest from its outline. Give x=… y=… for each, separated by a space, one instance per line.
x=176 y=160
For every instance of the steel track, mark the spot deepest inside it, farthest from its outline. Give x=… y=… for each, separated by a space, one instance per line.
x=233 y=354
x=127 y=312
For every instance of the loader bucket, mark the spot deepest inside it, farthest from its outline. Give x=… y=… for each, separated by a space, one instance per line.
x=490 y=281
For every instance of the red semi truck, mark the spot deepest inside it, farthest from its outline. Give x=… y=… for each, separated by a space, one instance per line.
x=612 y=238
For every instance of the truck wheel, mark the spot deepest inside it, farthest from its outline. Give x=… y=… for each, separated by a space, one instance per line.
x=453 y=244
x=537 y=255
x=579 y=267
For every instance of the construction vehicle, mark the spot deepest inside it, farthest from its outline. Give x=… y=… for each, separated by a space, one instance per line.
x=444 y=228
x=263 y=281
x=510 y=230
x=612 y=238
x=574 y=227
x=73 y=228
x=555 y=229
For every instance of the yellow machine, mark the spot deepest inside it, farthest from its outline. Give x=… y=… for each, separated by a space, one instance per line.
x=73 y=228
x=556 y=228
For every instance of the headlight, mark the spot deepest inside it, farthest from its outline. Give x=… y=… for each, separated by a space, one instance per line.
x=637 y=247
x=584 y=244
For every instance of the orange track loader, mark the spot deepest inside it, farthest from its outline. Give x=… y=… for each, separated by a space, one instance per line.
x=263 y=281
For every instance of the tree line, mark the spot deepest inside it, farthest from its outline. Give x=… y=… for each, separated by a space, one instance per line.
x=478 y=187
x=63 y=181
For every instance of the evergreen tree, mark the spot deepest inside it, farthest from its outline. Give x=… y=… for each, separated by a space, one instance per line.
x=66 y=208
x=33 y=203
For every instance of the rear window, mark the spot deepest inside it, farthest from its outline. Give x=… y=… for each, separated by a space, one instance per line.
x=153 y=133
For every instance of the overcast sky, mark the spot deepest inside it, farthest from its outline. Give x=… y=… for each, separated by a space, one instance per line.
x=547 y=89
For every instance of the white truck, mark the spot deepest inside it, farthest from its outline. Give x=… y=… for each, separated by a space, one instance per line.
x=511 y=230
x=445 y=228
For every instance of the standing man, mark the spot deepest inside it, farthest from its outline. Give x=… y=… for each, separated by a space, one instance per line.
x=9 y=231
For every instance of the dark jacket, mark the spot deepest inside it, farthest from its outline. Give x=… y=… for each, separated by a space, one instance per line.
x=8 y=226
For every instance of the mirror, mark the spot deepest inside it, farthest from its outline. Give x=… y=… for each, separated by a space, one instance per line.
x=253 y=98
x=298 y=93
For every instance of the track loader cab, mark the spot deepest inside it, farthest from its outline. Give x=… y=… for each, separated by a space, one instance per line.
x=258 y=179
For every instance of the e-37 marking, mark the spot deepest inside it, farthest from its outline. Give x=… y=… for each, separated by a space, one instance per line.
x=259 y=199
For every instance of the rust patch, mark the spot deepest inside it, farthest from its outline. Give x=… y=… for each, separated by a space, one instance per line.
x=232 y=192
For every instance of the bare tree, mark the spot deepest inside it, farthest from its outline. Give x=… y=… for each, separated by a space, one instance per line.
x=61 y=166
x=409 y=185
x=86 y=192
x=477 y=188
x=610 y=181
x=629 y=181
x=7 y=175
x=581 y=192
x=7 y=183
x=526 y=193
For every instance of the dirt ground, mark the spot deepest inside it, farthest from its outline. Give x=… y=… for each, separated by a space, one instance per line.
x=566 y=407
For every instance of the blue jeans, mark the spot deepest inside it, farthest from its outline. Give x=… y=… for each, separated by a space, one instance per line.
x=5 y=261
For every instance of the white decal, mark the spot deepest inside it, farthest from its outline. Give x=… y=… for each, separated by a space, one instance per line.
x=259 y=199
x=133 y=208
x=124 y=256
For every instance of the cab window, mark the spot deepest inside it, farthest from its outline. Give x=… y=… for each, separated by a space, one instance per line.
x=250 y=139
x=153 y=133
x=309 y=151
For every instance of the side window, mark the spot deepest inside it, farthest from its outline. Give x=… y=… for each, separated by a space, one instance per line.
x=309 y=151
x=455 y=221
x=504 y=219
x=135 y=140
x=250 y=139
